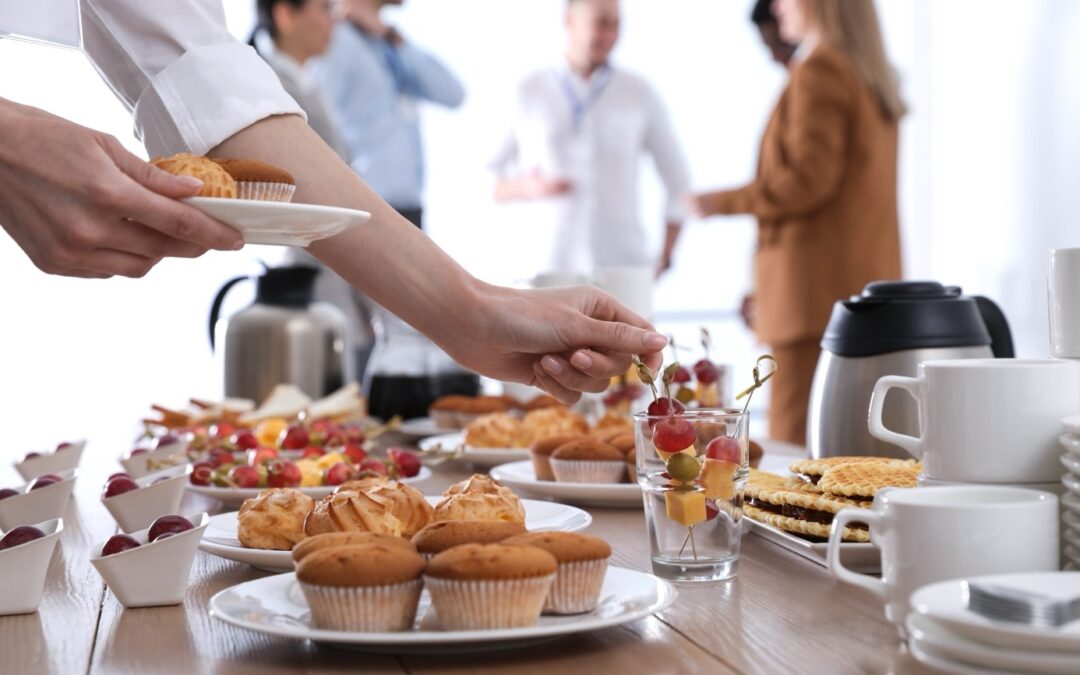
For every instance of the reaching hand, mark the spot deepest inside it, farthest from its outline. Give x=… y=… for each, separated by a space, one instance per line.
x=80 y=205
x=536 y=186
x=564 y=340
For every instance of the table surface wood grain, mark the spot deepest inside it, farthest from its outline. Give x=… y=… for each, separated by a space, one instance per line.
x=781 y=614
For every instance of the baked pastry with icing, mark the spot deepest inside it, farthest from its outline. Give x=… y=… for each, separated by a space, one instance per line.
x=497 y=430
x=540 y=424
x=394 y=508
x=273 y=520
x=216 y=181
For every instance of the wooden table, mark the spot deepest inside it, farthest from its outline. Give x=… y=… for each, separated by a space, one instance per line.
x=782 y=614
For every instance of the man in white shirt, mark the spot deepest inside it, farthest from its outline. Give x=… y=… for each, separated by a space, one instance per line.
x=577 y=137
x=78 y=204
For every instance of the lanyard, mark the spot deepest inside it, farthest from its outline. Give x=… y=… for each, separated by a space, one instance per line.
x=579 y=107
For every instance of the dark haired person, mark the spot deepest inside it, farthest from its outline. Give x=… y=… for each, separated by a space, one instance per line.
x=769 y=28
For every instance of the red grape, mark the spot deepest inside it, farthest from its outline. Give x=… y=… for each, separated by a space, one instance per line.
x=355 y=453
x=706 y=371
x=118 y=486
x=281 y=473
x=46 y=480
x=681 y=375
x=725 y=448
x=312 y=452
x=374 y=466
x=118 y=474
x=219 y=458
x=262 y=455
x=665 y=406
x=167 y=439
x=201 y=473
x=222 y=430
x=118 y=543
x=63 y=444
x=673 y=434
x=338 y=474
x=8 y=492
x=174 y=524
x=245 y=440
x=137 y=451
x=31 y=455
x=244 y=476
x=20 y=535
x=407 y=461
x=294 y=438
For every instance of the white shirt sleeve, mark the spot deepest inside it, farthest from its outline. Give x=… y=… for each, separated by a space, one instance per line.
x=189 y=82
x=670 y=162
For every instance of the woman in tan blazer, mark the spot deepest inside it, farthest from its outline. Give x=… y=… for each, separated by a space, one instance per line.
x=825 y=191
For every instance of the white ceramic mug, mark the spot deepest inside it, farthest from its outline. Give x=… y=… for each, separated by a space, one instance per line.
x=985 y=420
x=632 y=285
x=932 y=534
x=1063 y=298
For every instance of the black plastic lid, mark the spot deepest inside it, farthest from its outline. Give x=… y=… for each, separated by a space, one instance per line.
x=292 y=286
x=892 y=316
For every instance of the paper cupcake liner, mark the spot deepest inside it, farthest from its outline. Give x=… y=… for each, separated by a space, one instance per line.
x=264 y=191
x=542 y=466
x=364 y=609
x=577 y=587
x=490 y=604
x=631 y=472
x=588 y=471
x=445 y=419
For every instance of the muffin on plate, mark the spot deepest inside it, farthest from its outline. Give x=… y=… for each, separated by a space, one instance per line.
x=369 y=588
x=631 y=465
x=545 y=422
x=332 y=539
x=623 y=442
x=583 y=561
x=489 y=586
x=259 y=180
x=588 y=461
x=216 y=181
x=446 y=411
x=541 y=450
x=437 y=537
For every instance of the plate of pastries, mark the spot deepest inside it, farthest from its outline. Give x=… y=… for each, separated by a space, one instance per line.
x=268 y=528
x=500 y=437
x=463 y=585
x=255 y=198
x=796 y=510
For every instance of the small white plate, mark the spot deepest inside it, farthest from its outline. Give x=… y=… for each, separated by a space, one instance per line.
x=858 y=557
x=420 y=427
x=943 y=642
x=1071 y=424
x=521 y=476
x=236 y=496
x=280 y=223
x=159 y=494
x=275 y=605
x=1070 y=443
x=1072 y=483
x=147 y=463
x=945 y=603
x=221 y=540
x=1071 y=502
x=478 y=456
x=939 y=663
x=52 y=462
x=23 y=568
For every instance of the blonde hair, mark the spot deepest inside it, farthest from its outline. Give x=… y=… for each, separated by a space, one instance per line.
x=852 y=26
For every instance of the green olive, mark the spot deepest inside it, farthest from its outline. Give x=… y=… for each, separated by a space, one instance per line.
x=683 y=467
x=684 y=395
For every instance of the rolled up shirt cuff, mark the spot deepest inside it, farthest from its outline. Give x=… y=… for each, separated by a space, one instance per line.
x=206 y=96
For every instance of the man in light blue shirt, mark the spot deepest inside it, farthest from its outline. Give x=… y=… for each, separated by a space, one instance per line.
x=376 y=79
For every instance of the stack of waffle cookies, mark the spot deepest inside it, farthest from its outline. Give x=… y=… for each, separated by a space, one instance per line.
x=805 y=503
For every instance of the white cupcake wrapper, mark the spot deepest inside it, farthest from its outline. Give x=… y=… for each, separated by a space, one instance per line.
x=489 y=604
x=588 y=471
x=364 y=609
x=264 y=191
x=577 y=587
x=445 y=419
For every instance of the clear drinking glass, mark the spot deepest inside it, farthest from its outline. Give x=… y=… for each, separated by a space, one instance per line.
x=693 y=505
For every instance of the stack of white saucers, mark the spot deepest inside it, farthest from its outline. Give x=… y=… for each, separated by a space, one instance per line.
x=943 y=633
x=1070 y=500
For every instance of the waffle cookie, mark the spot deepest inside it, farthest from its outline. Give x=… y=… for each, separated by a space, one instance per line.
x=863 y=480
x=804 y=528
x=811 y=470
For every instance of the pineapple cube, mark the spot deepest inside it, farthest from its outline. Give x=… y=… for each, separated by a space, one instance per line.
x=708 y=395
x=267 y=431
x=718 y=478
x=311 y=474
x=686 y=508
x=329 y=459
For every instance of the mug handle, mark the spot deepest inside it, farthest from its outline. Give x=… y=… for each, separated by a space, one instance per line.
x=836 y=535
x=878 y=430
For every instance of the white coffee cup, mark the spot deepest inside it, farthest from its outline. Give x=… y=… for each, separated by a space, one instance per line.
x=985 y=420
x=932 y=534
x=632 y=285
x=1063 y=296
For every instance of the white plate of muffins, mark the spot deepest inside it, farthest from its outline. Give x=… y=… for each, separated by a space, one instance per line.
x=267 y=528
x=383 y=595
x=522 y=476
x=255 y=198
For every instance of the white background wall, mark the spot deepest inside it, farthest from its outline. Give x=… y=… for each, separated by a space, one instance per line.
x=990 y=180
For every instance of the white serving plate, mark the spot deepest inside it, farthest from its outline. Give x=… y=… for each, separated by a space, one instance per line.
x=280 y=223
x=479 y=456
x=940 y=640
x=53 y=462
x=275 y=605
x=1071 y=502
x=521 y=476
x=420 y=427
x=221 y=540
x=236 y=496
x=858 y=557
x=945 y=604
x=941 y=664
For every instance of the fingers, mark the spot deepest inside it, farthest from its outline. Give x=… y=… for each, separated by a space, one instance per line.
x=598 y=364
x=560 y=370
x=138 y=239
x=151 y=177
x=548 y=384
x=110 y=262
x=180 y=221
x=619 y=337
